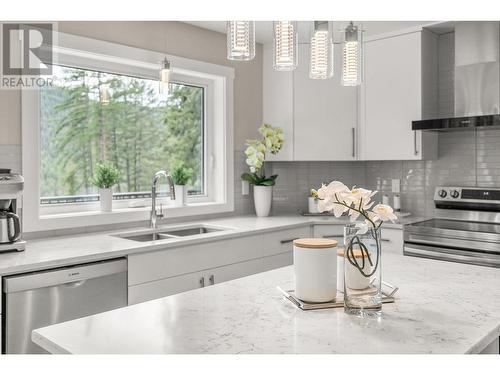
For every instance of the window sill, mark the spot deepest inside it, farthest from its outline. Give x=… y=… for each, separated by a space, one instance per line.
x=122 y=215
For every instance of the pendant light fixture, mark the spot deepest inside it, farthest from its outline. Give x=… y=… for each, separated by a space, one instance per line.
x=352 y=60
x=285 y=45
x=164 y=76
x=104 y=94
x=321 y=64
x=240 y=40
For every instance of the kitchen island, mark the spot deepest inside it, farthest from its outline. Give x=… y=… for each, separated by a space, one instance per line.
x=440 y=308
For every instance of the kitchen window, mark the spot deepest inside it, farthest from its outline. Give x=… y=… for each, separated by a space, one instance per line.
x=136 y=128
x=69 y=127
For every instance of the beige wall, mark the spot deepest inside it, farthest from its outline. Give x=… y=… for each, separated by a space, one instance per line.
x=175 y=38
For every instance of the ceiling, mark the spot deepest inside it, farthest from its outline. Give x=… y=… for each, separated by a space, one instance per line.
x=264 y=29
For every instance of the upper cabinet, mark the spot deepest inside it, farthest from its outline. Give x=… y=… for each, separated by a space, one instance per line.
x=323 y=120
x=400 y=85
x=324 y=113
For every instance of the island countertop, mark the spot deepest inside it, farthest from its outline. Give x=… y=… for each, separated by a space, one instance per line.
x=440 y=308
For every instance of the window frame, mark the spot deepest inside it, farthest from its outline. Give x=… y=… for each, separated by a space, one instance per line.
x=86 y=53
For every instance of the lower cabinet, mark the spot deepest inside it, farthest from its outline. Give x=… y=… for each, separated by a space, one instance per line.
x=333 y=231
x=165 y=272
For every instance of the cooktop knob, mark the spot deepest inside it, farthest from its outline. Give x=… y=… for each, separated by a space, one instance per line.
x=455 y=194
x=442 y=193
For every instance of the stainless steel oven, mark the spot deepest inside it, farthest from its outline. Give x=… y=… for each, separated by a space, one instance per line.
x=466 y=228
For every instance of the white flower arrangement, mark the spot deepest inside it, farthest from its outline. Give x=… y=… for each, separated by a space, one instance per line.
x=255 y=152
x=357 y=202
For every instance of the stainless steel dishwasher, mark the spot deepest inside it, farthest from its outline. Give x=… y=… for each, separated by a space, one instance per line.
x=40 y=299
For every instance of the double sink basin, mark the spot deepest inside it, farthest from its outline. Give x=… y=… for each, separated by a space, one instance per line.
x=169 y=233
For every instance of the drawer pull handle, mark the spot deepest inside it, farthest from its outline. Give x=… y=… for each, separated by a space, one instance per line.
x=202 y=282
x=288 y=240
x=385 y=240
x=333 y=236
x=212 y=279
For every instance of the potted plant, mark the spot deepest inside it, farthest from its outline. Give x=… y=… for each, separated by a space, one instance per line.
x=272 y=141
x=106 y=175
x=181 y=176
x=312 y=202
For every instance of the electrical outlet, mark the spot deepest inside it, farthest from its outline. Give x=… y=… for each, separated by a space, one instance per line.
x=245 y=187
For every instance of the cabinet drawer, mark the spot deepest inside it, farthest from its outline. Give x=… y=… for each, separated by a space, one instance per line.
x=282 y=241
x=187 y=259
x=232 y=271
x=392 y=240
x=333 y=231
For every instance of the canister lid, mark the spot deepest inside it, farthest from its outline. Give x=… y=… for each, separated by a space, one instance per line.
x=357 y=253
x=315 y=243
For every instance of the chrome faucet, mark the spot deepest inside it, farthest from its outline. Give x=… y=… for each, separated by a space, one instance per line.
x=155 y=215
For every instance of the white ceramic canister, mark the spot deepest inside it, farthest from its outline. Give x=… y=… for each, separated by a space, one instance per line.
x=351 y=275
x=315 y=266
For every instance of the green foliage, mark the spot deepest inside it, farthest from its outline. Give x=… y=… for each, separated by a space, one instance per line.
x=181 y=174
x=106 y=175
x=138 y=131
x=255 y=179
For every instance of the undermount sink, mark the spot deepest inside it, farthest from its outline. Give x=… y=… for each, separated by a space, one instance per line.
x=165 y=234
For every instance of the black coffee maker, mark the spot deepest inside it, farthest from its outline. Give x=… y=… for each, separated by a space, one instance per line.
x=11 y=189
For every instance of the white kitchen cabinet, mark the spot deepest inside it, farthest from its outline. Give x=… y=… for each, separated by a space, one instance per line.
x=333 y=231
x=325 y=113
x=182 y=283
x=277 y=261
x=392 y=240
x=277 y=102
x=400 y=85
x=281 y=241
x=319 y=117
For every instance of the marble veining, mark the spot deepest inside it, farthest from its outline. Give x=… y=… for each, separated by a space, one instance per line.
x=441 y=308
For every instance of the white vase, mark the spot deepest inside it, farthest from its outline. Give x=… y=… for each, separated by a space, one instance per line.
x=263 y=199
x=106 y=199
x=312 y=205
x=180 y=195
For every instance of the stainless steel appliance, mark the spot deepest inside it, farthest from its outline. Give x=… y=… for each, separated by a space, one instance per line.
x=11 y=188
x=466 y=228
x=477 y=79
x=44 y=298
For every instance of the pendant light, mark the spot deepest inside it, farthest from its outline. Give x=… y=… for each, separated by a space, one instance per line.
x=352 y=60
x=285 y=45
x=321 y=64
x=240 y=40
x=104 y=94
x=164 y=76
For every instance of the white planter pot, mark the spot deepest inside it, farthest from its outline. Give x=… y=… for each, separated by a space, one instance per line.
x=106 y=199
x=263 y=199
x=180 y=195
x=312 y=205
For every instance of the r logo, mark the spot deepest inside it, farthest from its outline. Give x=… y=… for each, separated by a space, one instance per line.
x=27 y=49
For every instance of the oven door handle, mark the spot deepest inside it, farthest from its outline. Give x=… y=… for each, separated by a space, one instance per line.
x=452 y=255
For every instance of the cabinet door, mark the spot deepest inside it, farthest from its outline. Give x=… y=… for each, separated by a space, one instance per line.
x=333 y=231
x=277 y=102
x=232 y=271
x=325 y=113
x=165 y=287
x=392 y=240
x=392 y=96
x=281 y=241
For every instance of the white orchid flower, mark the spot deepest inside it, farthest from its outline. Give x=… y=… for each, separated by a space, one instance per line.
x=362 y=227
x=384 y=213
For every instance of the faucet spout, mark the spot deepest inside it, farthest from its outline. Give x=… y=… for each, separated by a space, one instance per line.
x=155 y=215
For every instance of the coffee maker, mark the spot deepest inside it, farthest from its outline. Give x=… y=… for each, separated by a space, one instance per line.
x=11 y=189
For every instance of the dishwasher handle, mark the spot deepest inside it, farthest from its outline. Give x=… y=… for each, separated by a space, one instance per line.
x=66 y=275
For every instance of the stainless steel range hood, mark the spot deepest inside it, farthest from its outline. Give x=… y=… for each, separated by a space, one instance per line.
x=477 y=79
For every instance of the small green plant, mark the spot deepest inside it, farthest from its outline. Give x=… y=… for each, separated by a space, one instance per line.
x=106 y=175
x=181 y=174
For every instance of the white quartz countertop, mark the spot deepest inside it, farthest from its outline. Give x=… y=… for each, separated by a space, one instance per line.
x=440 y=308
x=74 y=249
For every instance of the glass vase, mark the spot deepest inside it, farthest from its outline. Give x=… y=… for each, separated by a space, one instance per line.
x=362 y=271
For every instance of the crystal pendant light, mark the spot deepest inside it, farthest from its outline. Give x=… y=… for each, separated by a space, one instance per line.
x=164 y=76
x=321 y=64
x=352 y=60
x=104 y=94
x=240 y=40
x=285 y=45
